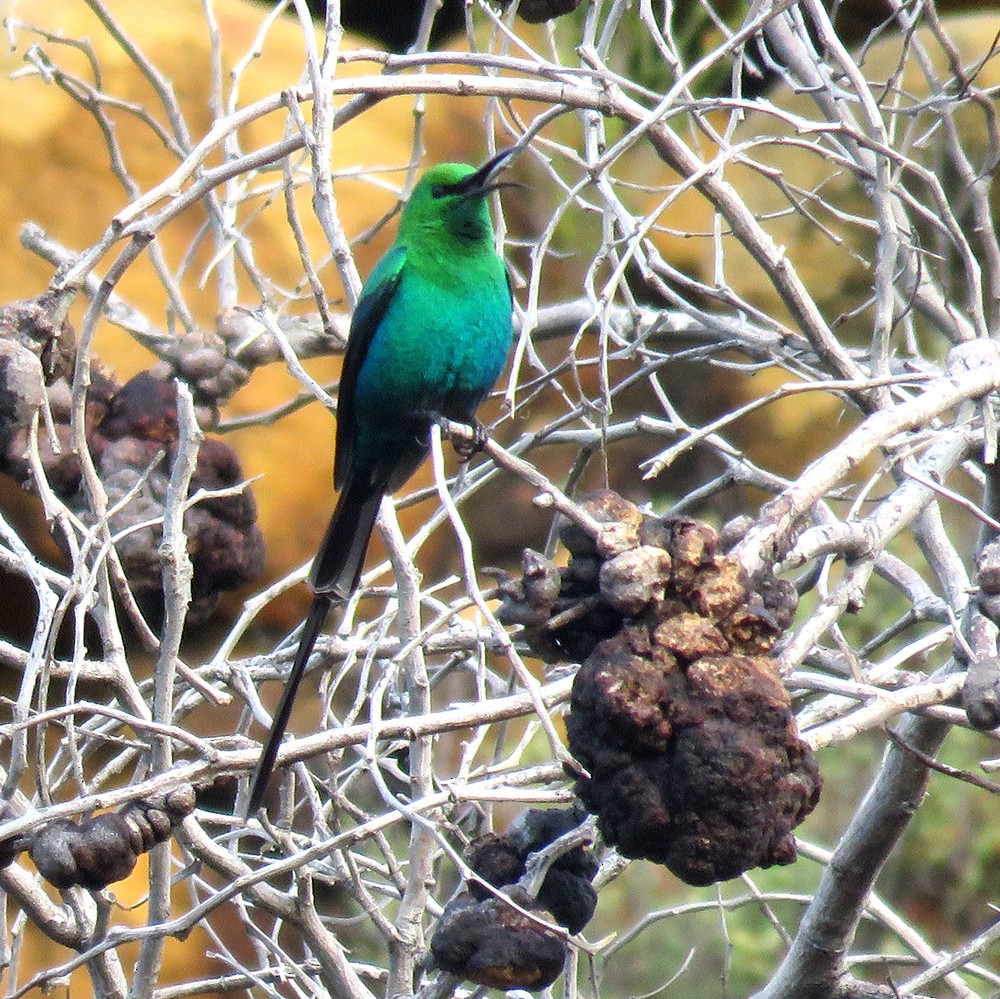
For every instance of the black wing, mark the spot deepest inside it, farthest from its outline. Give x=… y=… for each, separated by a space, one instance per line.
x=371 y=308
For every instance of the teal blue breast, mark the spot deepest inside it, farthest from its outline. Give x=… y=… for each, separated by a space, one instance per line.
x=439 y=349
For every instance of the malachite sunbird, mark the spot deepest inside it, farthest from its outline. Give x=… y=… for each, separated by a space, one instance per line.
x=429 y=338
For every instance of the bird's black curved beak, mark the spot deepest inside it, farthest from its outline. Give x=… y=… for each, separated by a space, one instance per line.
x=482 y=181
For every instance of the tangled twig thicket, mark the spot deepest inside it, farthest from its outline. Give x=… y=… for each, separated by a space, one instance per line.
x=781 y=306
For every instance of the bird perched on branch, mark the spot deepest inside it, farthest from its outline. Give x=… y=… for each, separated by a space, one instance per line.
x=429 y=338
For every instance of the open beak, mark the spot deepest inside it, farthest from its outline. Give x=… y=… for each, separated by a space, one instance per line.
x=482 y=181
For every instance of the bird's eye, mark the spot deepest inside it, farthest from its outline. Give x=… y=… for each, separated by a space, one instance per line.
x=438 y=191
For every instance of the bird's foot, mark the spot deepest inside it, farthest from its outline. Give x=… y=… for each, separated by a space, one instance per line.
x=468 y=439
x=470 y=444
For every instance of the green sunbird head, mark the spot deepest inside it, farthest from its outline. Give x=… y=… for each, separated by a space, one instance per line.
x=450 y=201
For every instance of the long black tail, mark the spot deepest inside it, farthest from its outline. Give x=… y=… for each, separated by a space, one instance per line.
x=334 y=576
x=338 y=563
x=310 y=632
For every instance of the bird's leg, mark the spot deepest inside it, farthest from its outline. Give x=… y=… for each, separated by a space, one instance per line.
x=470 y=446
x=467 y=438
